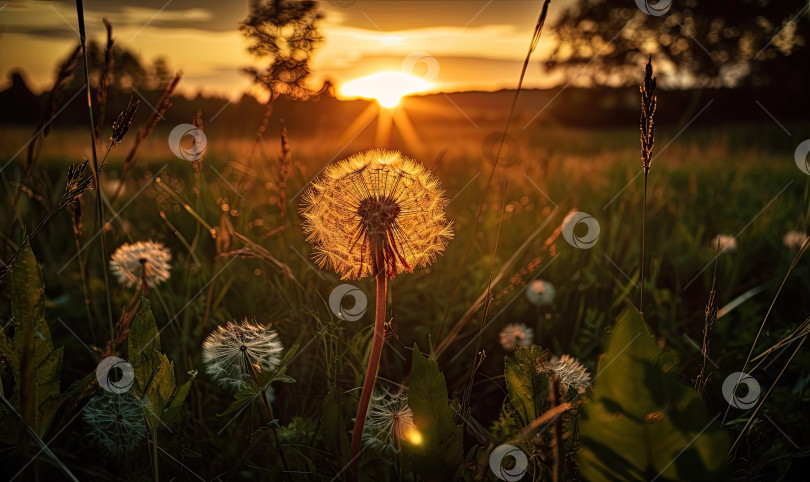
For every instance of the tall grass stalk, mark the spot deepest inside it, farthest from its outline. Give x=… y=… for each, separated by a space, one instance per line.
x=538 y=30
x=647 y=128
x=96 y=174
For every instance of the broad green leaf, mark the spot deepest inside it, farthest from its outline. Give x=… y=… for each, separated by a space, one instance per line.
x=173 y=410
x=643 y=422
x=440 y=454
x=528 y=390
x=35 y=364
x=143 y=345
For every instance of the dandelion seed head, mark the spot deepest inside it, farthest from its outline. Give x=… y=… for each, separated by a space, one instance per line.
x=116 y=421
x=515 y=335
x=540 y=293
x=389 y=420
x=149 y=260
x=568 y=370
x=726 y=242
x=375 y=201
x=231 y=350
x=794 y=239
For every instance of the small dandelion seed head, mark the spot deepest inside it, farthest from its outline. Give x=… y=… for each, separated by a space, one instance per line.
x=233 y=350
x=515 y=335
x=724 y=242
x=389 y=420
x=132 y=262
x=540 y=293
x=375 y=204
x=116 y=421
x=571 y=374
x=794 y=239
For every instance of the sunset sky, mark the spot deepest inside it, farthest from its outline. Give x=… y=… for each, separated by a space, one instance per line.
x=478 y=45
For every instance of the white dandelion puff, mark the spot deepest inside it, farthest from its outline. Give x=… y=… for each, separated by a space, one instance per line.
x=116 y=421
x=515 y=335
x=233 y=350
x=726 y=242
x=132 y=263
x=569 y=371
x=540 y=292
x=389 y=420
x=794 y=239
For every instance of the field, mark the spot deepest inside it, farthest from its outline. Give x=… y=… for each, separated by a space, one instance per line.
x=239 y=252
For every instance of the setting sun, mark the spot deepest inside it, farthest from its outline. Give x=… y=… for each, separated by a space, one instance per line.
x=387 y=88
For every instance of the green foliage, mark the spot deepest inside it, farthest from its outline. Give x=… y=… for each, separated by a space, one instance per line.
x=440 y=455
x=154 y=373
x=643 y=422
x=34 y=362
x=528 y=390
x=251 y=391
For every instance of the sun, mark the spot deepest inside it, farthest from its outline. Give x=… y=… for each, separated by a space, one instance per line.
x=387 y=88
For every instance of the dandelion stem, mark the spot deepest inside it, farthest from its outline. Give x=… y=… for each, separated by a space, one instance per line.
x=269 y=411
x=373 y=360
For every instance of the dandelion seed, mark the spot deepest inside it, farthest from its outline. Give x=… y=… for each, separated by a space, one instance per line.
x=376 y=201
x=569 y=371
x=540 y=293
x=794 y=239
x=389 y=420
x=515 y=335
x=233 y=350
x=142 y=261
x=726 y=242
x=116 y=421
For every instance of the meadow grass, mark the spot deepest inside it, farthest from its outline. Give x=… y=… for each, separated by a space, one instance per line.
x=706 y=182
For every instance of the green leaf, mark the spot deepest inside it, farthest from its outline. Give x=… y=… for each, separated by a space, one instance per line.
x=173 y=410
x=643 y=422
x=440 y=454
x=528 y=390
x=143 y=345
x=332 y=428
x=36 y=366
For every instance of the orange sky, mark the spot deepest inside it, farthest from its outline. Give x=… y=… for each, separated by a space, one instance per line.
x=477 y=45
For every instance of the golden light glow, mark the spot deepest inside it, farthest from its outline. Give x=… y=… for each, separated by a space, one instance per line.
x=387 y=88
x=414 y=437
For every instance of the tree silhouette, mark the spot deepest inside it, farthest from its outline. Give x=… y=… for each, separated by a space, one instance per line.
x=695 y=42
